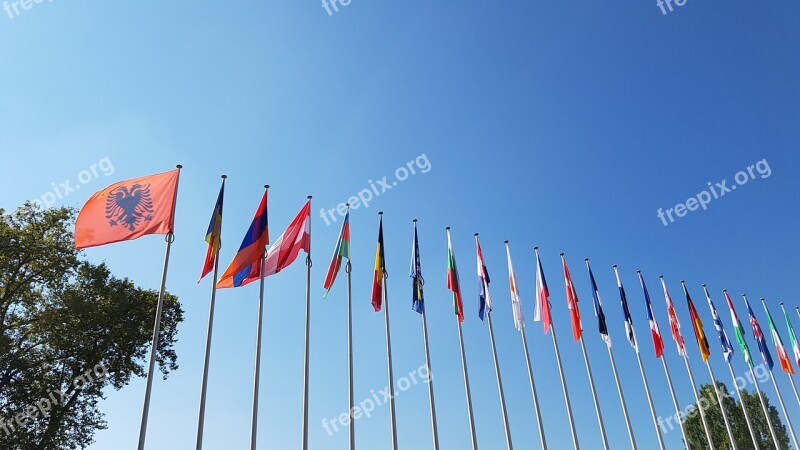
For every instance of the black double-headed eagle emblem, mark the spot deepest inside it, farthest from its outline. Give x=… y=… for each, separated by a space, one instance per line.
x=129 y=207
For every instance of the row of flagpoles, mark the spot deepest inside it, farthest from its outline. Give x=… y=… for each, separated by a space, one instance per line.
x=133 y=208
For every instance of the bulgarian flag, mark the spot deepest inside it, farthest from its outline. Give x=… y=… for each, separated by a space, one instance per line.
x=739 y=331
x=452 y=279
x=783 y=355
x=792 y=337
x=342 y=250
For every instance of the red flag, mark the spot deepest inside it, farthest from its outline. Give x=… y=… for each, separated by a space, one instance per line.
x=572 y=303
x=128 y=210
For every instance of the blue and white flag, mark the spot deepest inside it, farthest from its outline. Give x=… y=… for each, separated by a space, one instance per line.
x=417 y=282
x=483 y=281
x=626 y=312
x=727 y=348
x=598 y=308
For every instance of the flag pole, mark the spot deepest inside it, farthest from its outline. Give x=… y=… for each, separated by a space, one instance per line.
x=761 y=398
x=621 y=398
x=780 y=399
x=721 y=406
x=539 y=423
x=791 y=380
x=204 y=387
x=352 y=430
x=307 y=337
x=499 y=383
x=431 y=399
x=697 y=398
x=257 y=377
x=744 y=409
x=389 y=355
x=170 y=238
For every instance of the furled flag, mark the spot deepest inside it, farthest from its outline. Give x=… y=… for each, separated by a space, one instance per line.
x=626 y=312
x=213 y=234
x=246 y=265
x=792 y=337
x=727 y=348
x=783 y=355
x=542 y=311
x=572 y=303
x=516 y=302
x=296 y=237
x=598 y=307
x=417 y=296
x=697 y=325
x=128 y=210
x=658 y=341
x=341 y=251
x=739 y=331
x=483 y=283
x=759 y=336
x=452 y=279
x=674 y=324
x=380 y=269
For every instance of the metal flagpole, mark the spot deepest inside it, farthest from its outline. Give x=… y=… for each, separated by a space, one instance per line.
x=466 y=386
x=744 y=409
x=499 y=383
x=539 y=422
x=389 y=358
x=721 y=406
x=594 y=395
x=431 y=399
x=352 y=430
x=257 y=378
x=765 y=409
x=650 y=402
x=675 y=401
x=564 y=387
x=622 y=398
x=204 y=386
x=170 y=237
x=308 y=322
x=783 y=408
x=791 y=380
x=699 y=407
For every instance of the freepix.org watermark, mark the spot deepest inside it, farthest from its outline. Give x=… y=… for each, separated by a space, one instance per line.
x=377 y=188
x=666 y=5
x=715 y=191
x=368 y=405
x=68 y=186
x=15 y=7
x=332 y=6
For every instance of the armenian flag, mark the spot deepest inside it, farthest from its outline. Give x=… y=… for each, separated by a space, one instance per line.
x=246 y=265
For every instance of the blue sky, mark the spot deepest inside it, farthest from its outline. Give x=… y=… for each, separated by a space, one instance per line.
x=559 y=124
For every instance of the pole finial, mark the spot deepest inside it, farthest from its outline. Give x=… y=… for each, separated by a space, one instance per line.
x=179 y=166
x=614 y=266
x=661 y=276
x=266 y=186
x=536 y=248
x=476 y=234
x=561 y=254
x=415 y=220
x=704 y=285
x=380 y=213
x=505 y=242
x=447 y=228
x=224 y=176
x=586 y=259
x=310 y=197
x=347 y=204
x=638 y=271
x=725 y=291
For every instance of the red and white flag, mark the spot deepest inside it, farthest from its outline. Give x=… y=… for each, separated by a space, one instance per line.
x=285 y=249
x=572 y=302
x=674 y=324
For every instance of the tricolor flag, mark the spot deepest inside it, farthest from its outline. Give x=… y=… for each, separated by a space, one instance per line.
x=380 y=269
x=658 y=341
x=128 y=210
x=483 y=283
x=418 y=298
x=452 y=280
x=626 y=313
x=213 y=234
x=759 y=336
x=246 y=265
x=598 y=307
x=572 y=303
x=783 y=355
x=285 y=249
x=792 y=337
x=697 y=325
x=516 y=301
x=542 y=311
x=341 y=251
x=727 y=348
x=674 y=323
x=739 y=331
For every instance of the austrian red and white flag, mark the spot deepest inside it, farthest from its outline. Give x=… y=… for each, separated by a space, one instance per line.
x=285 y=249
x=572 y=303
x=674 y=324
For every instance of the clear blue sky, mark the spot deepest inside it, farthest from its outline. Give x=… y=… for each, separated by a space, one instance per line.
x=556 y=124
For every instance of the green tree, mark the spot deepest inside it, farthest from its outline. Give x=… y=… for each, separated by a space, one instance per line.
x=68 y=330
x=695 y=431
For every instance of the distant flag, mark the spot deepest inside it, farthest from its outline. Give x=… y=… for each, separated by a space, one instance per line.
x=739 y=331
x=483 y=283
x=727 y=348
x=674 y=323
x=341 y=251
x=213 y=234
x=516 y=302
x=792 y=337
x=572 y=303
x=598 y=307
x=658 y=340
x=418 y=303
x=626 y=313
x=783 y=355
x=380 y=269
x=697 y=325
x=128 y=210
x=758 y=335
x=285 y=249
x=246 y=264
x=542 y=311
x=453 y=283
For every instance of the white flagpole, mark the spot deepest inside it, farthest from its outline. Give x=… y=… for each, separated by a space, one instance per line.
x=783 y=408
x=307 y=340
x=389 y=354
x=259 y=334
x=761 y=398
x=204 y=385
x=699 y=407
x=431 y=399
x=791 y=380
x=351 y=429
x=170 y=237
x=722 y=407
x=675 y=401
x=744 y=409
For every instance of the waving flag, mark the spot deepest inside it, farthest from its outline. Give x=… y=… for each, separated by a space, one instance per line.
x=697 y=325
x=783 y=355
x=598 y=307
x=380 y=269
x=341 y=251
x=759 y=336
x=246 y=265
x=727 y=348
x=285 y=249
x=792 y=337
x=213 y=234
x=626 y=313
x=418 y=299
x=542 y=311
x=738 y=330
x=128 y=210
x=453 y=283
x=516 y=302
x=572 y=303
x=483 y=282
x=674 y=324
x=658 y=341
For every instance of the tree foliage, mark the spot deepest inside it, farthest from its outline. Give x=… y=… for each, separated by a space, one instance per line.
x=61 y=320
